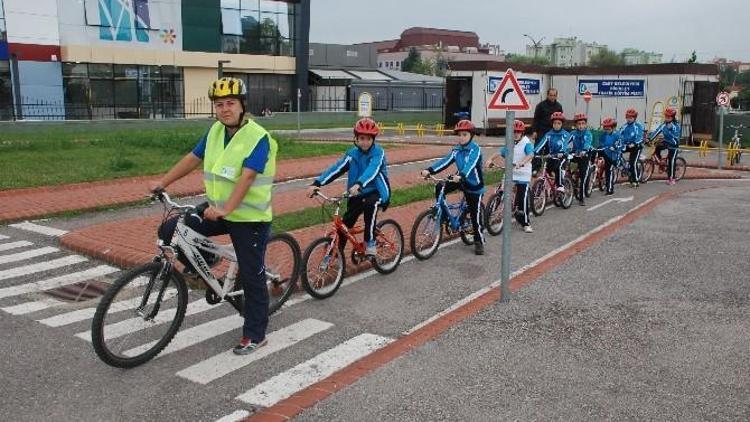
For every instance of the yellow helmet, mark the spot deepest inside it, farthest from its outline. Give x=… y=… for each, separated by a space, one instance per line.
x=227 y=87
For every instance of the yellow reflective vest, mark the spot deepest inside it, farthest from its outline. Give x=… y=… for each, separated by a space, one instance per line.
x=222 y=167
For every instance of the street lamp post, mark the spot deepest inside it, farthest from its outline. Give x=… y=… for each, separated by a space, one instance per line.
x=536 y=44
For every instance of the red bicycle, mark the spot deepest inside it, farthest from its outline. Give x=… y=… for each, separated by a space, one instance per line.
x=655 y=162
x=544 y=188
x=324 y=263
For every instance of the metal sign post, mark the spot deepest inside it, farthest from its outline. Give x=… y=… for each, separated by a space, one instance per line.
x=510 y=116
x=509 y=96
x=299 y=123
x=722 y=100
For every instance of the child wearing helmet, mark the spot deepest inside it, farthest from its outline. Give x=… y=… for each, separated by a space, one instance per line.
x=523 y=153
x=467 y=156
x=582 y=143
x=556 y=141
x=671 y=131
x=611 y=144
x=367 y=182
x=632 y=138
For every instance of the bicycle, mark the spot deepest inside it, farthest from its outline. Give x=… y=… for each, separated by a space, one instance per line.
x=427 y=232
x=164 y=295
x=623 y=167
x=653 y=162
x=574 y=177
x=545 y=188
x=735 y=145
x=495 y=206
x=324 y=263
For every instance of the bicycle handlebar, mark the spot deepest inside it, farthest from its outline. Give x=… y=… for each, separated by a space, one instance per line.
x=333 y=199
x=164 y=198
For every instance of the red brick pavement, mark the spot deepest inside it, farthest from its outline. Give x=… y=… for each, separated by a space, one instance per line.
x=21 y=204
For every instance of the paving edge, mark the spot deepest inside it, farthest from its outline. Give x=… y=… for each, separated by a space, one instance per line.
x=310 y=396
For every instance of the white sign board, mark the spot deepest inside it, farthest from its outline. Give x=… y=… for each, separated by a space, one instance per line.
x=722 y=99
x=364 y=105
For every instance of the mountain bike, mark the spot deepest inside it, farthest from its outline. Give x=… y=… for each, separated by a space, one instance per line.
x=323 y=263
x=574 y=177
x=427 y=231
x=495 y=206
x=623 y=168
x=654 y=162
x=161 y=293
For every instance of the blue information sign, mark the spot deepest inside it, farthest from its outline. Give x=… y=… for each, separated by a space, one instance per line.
x=529 y=86
x=612 y=87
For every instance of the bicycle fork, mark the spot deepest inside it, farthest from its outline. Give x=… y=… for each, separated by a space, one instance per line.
x=163 y=275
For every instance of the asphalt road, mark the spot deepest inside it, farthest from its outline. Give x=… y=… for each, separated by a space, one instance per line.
x=601 y=337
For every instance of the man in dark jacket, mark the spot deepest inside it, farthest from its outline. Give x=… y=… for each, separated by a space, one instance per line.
x=542 y=113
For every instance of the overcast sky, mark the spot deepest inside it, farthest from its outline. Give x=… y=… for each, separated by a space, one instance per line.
x=717 y=28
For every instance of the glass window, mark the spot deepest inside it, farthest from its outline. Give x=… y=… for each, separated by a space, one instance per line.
x=126 y=71
x=75 y=69
x=250 y=5
x=230 y=22
x=230 y=44
x=142 y=16
x=271 y=6
x=97 y=70
x=102 y=92
x=230 y=4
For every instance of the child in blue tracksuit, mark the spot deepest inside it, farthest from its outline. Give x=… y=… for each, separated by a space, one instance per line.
x=467 y=156
x=611 y=144
x=632 y=139
x=557 y=139
x=367 y=184
x=671 y=131
x=582 y=143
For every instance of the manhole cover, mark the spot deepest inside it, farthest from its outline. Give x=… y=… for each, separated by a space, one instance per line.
x=81 y=291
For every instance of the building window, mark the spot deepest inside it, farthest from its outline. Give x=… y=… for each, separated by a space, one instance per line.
x=398 y=64
x=263 y=26
x=351 y=53
x=268 y=90
x=106 y=91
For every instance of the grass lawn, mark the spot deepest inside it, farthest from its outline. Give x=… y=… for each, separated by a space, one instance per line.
x=42 y=159
x=313 y=216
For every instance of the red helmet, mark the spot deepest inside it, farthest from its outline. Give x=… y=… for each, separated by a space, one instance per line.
x=519 y=126
x=580 y=116
x=464 y=126
x=609 y=122
x=631 y=113
x=670 y=112
x=557 y=116
x=366 y=126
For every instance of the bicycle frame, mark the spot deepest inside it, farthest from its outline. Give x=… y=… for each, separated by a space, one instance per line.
x=441 y=204
x=338 y=228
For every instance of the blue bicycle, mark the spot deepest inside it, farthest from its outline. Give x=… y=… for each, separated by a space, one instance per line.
x=427 y=231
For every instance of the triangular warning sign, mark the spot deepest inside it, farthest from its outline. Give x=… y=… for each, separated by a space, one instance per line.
x=508 y=95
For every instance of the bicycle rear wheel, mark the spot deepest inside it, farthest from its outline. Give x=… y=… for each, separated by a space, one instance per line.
x=540 y=197
x=426 y=234
x=494 y=215
x=139 y=315
x=390 y=245
x=566 y=198
x=282 y=269
x=679 y=168
x=591 y=175
x=323 y=268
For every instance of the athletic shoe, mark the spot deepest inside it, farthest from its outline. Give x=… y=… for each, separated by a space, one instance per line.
x=581 y=203
x=372 y=249
x=247 y=346
x=561 y=188
x=528 y=229
x=478 y=249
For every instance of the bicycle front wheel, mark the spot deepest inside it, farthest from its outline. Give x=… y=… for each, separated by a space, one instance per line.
x=648 y=171
x=494 y=215
x=591 y=175
x=389 y=239
x=679 y=168
x=567 y=197
x=426 y=234
x=323 y=268
x=139 y=315
x=282 y=269
x=540 y=197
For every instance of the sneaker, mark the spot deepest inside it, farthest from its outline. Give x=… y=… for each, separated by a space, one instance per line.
x=669 y=182
x=581 y=202
x=561 y=189
x=247 y=346
x=528 y=229
x=609 y=193
x=635 y=185
x=672 y=182
x=372 y=249
x=478 y=249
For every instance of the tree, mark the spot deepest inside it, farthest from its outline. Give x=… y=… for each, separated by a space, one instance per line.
x=693 y=58
x=521 y=59
x=727 y=77
x=413 y=60
x=606 y=57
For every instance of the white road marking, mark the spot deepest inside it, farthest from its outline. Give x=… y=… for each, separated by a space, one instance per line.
x=14 y=245
x=287 y=383
x=20 y=256
x=42 y=266
x=36 y=228
x=620 y=200
x=235 y=416
x=29 y=307
x=62 y=280
x=226 y=362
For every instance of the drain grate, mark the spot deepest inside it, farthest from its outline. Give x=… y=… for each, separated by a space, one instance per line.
x=81 y=291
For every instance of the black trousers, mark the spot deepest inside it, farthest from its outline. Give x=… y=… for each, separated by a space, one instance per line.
x=473 y=202
x=583 y=175
x=249 y=240
x=671 y=157
x=522 y=203
x=610 y=167
x=362 y=204
x=635 y=153
x=554 y=165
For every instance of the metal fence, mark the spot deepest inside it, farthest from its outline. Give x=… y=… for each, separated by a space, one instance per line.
x=392 y=102
x=51 y=110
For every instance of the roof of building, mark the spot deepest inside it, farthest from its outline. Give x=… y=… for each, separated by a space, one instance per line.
x=641 y=69
x=375 y=75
